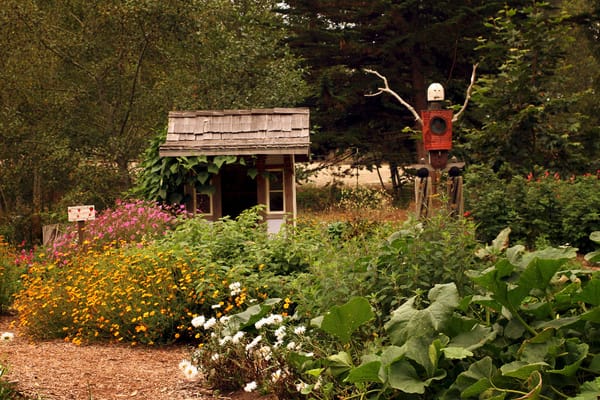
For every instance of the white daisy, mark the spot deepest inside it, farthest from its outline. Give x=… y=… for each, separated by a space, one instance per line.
x=235 y=288
x=250 y=386
x=210 y=323
x=254 y=342
x=198 y=321
x=7 y=337
x=299 y=330
x=237 y=337
x=280 y=333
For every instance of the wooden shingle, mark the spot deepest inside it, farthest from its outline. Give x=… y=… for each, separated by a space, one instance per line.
x=238 y=132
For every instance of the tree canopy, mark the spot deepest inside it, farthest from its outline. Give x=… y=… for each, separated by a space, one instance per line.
x=87 y=85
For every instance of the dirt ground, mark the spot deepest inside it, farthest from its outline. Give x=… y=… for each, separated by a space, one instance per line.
x=55 y=370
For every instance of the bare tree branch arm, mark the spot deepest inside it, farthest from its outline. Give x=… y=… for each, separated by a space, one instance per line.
x=386 y=89
x=468 y=96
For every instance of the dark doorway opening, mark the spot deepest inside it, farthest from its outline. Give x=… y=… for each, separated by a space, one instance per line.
x=238 y=190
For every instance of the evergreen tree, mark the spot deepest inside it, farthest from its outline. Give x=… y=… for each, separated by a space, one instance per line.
x=530 y=111
x=412 y=43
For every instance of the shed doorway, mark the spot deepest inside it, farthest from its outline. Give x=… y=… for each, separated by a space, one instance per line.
x=238 y=190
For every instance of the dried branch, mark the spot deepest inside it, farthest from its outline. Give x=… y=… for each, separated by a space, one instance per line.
x=469 y=89
x=386 y=89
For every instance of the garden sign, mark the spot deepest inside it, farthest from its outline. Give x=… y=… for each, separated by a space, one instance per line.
x=81 y=214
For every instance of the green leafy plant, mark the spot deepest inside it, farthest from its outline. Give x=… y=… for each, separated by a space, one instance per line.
x=12 y=265
x=542 y=205
x=164 y=178
x=594 y=256
x=420 y=255
x=527 y=332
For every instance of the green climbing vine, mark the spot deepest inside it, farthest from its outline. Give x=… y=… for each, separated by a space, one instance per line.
x=163 y=179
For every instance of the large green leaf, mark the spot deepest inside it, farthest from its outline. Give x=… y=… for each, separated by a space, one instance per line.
x=212 y=168
x=476 y=380
x=559 y=255
x=403 y=376
x=589 y=391
x=590 y=293
x=220 y=160
x=592 y=315
x=407 y=322
x=539 y=348
x=339 y=364
x=521 y=369
x=474 y=338
x=368 y=372
x=494 y=280
x=342 y=321
x=539 y=271
x=252 y=314
x=593 y=257
x=203 y=177
x=456 y=353
x=574 y=354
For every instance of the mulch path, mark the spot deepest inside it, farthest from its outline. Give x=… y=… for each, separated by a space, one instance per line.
x=55 y=370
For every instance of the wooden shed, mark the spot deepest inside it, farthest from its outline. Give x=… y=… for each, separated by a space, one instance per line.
x=271 y=139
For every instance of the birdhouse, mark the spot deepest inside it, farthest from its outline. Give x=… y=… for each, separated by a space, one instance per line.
x=437 y=129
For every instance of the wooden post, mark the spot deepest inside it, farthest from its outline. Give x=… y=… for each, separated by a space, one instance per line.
x=80 y=214
x=80 y=231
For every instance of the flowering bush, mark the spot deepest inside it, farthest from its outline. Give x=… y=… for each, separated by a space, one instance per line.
x=128 y=222
x=255 y=350
x=138 y=295
x=12 y=266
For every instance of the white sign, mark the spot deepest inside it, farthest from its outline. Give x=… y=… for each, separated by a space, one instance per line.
x=81 y=213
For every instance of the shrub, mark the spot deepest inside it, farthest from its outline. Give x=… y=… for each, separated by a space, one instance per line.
x=252 y=350
x=127 y=222
x=529 y=332
x=146 y=293
x=422 y=254
x=128 y=294
x=362 y=197
x=540 y=206
x=310 y=197
x=13 y=264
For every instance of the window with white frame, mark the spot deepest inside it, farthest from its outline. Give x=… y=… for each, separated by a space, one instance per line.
x=275 y=190
x=203 y=203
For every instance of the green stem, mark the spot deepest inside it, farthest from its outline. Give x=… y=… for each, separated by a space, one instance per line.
x=558 y=392
x=521 y=320
x=362 y=395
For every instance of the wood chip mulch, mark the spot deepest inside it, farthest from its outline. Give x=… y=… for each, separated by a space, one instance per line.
x=55 y=370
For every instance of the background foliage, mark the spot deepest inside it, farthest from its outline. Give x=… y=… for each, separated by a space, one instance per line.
x=542 y=206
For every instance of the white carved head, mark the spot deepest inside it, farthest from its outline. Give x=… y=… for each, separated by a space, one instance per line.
x=435 y=92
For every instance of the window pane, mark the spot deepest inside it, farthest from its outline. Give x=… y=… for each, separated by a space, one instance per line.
x=275 y=201
x=275 y=180
x=203 y=204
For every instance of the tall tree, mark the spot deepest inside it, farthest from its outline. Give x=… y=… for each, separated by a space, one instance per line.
x=530 y=111
x=412 y=43
x=89 y=83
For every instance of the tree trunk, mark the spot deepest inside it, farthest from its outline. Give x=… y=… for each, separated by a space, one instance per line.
x=36 y=215
x=418 y=84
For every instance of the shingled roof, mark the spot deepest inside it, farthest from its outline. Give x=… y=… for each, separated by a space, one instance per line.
x=238 y=132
